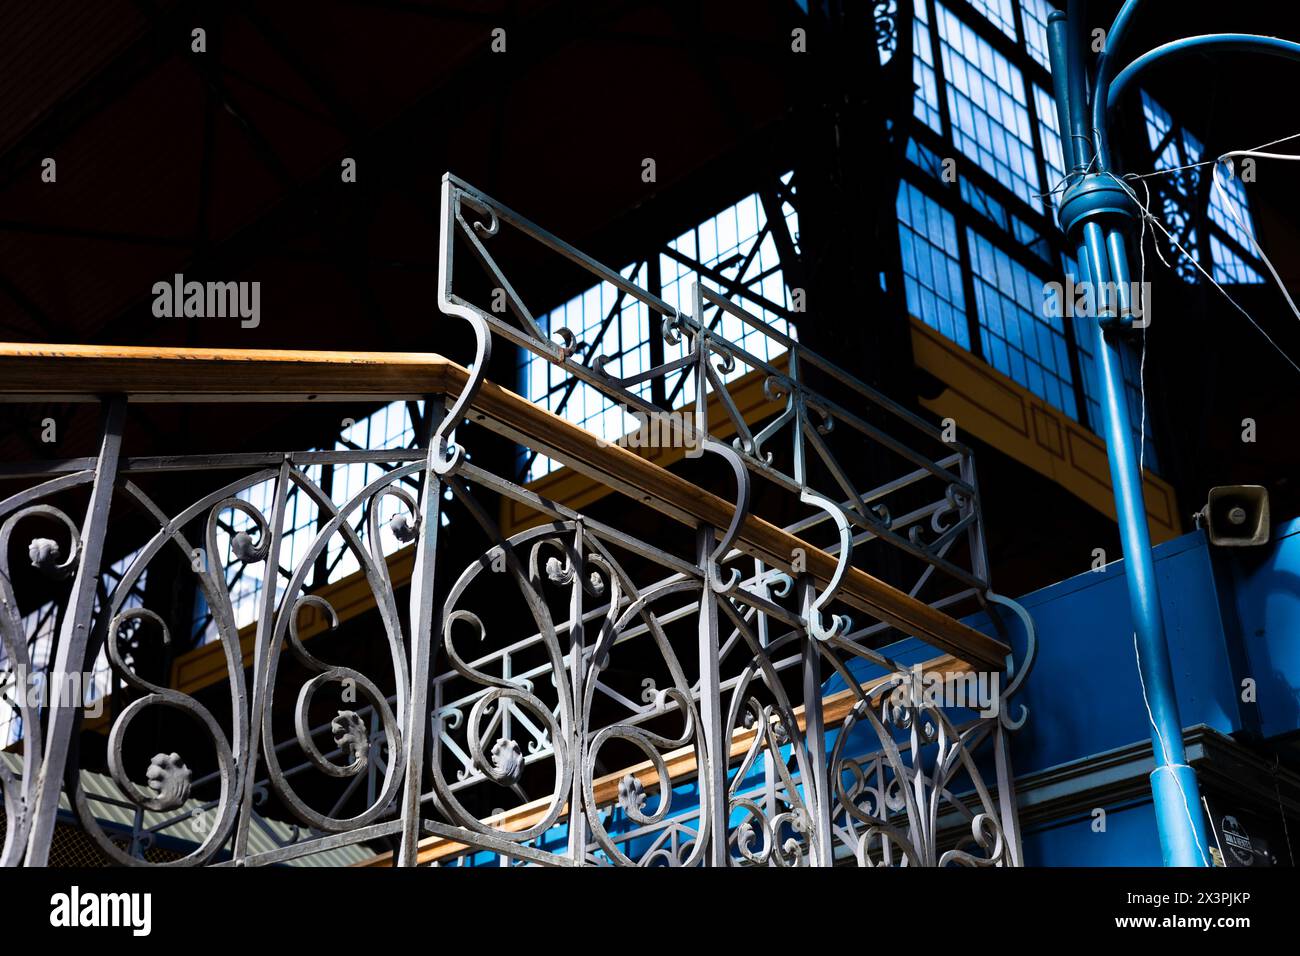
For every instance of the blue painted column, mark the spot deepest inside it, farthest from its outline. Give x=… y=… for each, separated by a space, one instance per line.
x=1095 y=212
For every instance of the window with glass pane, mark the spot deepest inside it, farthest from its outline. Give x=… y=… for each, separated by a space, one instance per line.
x=1033 y=18
x=736 y=243
x=610 y=323
x=735 y=248
x=931 y=272
x=998 y=13
x=1231 y=227
x=925 y=104
x=988 y=109
x=1049 y=134
x=1027 y=346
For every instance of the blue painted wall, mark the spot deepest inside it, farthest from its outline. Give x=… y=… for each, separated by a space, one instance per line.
x=1084 y=693
x=1265 y=621
x=1229 y=614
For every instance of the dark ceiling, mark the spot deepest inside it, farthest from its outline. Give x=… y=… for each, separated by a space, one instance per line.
x=230 y=160
x=226 y=164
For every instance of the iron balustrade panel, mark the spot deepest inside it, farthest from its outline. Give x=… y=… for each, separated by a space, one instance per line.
x=875 y=476
x=568 y=694
x=675 y=697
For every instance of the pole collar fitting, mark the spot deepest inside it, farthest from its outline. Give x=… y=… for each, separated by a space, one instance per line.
x=1096 y=197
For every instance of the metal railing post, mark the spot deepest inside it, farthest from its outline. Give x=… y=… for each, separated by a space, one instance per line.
x=817 y=791
x=424 y=632
x=73 y=637
x=713 y=776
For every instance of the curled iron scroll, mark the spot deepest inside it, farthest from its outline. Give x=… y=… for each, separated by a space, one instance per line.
x=46 y=556
x=445 y=456
x=1016 y=673
x=347 y=728
x=741 y=512
x=839 y=623
x=168 y=776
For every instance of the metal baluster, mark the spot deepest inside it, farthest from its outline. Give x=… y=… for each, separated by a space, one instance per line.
x=73 y=635
x=713 y=776
x=817 y=791
x=578 y=742
x=262 y=652
x=424 y=631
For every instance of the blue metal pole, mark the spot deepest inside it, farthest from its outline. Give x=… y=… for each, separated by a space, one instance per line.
x=1173 y=783
x=1174 y=789
x=1094 y=212
x=1213 y=42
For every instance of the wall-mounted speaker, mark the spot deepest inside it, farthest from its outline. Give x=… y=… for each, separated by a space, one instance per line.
x=1236 y=516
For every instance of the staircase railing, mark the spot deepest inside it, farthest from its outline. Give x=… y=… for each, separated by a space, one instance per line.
x=699 y=697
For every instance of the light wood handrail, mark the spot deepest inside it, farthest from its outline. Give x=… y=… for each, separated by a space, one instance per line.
x=85 y=372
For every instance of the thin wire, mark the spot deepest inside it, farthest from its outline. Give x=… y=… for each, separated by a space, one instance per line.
x=1064 y=181
x=1250 y=233
x=1155 y=220
x=1146 y=321
x=1164 y=749
x=1209 y=162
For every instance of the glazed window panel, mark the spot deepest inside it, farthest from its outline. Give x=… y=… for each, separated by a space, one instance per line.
x=1027 y=347
x=932 y=275
x=1230 y=268
x=736 y=243
x=1231 y=212
x=1049 y=134
x=988 y=107
x=1033 y=19
x=1175 y=149
x=611 y=324
x=998 y=13
x=925 y=104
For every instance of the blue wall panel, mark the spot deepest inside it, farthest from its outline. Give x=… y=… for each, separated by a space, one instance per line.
x=1130 y=839
x=1084 y=694
x=1266 y=582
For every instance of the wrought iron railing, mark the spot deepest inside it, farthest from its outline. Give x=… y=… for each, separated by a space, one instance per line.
x=574 y=693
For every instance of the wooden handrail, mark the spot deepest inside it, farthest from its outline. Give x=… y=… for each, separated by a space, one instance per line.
x=73 y=373
x=86 y=372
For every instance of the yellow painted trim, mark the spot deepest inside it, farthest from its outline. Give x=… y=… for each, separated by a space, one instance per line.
x=989 y=405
